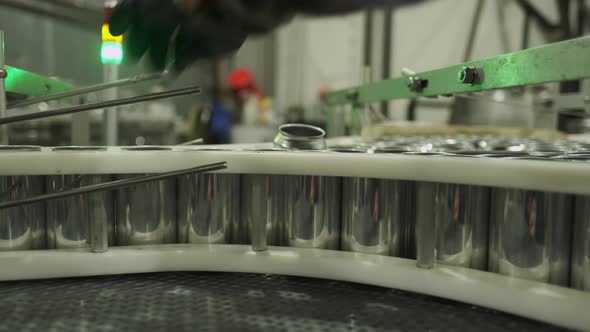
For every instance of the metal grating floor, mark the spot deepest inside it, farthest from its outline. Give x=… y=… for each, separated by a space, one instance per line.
x=189 y=301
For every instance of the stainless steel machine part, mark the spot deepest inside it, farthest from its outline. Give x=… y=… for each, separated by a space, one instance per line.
x=462 y=215
x=100 y=105
x=530 y=235
x=580 y=275
x=146 y=213
x=263 y=218
x=80 y=220
x=22 y=227
x=208 y=207
x=370 y=216
x=312 y=211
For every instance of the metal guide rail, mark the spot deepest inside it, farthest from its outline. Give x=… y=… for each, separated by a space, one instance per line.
x=567 y=60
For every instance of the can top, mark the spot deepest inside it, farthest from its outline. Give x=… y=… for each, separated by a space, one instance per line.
x=466 y=153
x=538 y=158
x=509 y=147
x=546 y=153
x=264 y=150
x=574 y=157
x=195 y=148
x=347 y=150
x=392 y=149
x=147 y=148
x=296 y=136
x=505 y=154
x=19 y=148
x=417 y=153
x=79 y=148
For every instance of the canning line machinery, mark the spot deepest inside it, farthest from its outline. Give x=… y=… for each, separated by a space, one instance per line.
x=501 y=222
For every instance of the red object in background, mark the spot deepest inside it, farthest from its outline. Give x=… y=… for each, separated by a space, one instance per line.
x=324 y=91
x=241 y=80
x=107 y=14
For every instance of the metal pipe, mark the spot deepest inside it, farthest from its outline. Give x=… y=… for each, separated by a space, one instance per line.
x=3 y=74
x=537 y=15
x=100 y=105
x=116 y=184
x=581 y=18
x=90 y=88
x=563 y=7
x=368 y=41
x=526 y=31
x=474 y=27
x=110 y=117
x=425 y=225
x=387 y=54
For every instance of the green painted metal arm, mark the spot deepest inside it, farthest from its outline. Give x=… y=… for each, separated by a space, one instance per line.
x=33 y=85
x=568 y=60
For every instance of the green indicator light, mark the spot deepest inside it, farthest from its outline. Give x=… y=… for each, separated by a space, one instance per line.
x=111 y=52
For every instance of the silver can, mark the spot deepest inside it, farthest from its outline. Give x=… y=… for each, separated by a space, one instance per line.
x=312 y=211
x=425 y=224
x=208 y=207
x=580 y=276
x=462 y=214
x=530 y=235
x=22 y=227
x=370 y=214
x=420 y=232
x=262 y=205
x=73 y=221
x=146 y=213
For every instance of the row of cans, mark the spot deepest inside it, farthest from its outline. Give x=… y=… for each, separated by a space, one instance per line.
x=529 y=234
x=521 y=233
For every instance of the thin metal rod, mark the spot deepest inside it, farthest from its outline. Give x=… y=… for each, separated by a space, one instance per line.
x=474 y=27
x=537 y=15
x=368 y=41
x=3 y=73
x=99 y=105
x=193 y=142
x=90 y=88
x=526 y=31
x=387 y=54
x=581 y=18
x=115 y=184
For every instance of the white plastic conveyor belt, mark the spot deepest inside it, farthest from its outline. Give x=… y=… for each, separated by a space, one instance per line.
x=554 y=176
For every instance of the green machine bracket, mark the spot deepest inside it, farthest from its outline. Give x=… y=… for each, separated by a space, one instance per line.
x=22 y=82
x=567 y=60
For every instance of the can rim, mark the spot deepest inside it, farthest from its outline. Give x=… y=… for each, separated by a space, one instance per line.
x=20 y=148
x=147 y=148
x=419 y=153
x=79 y=148
x=299 y=131
x=346 y=150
